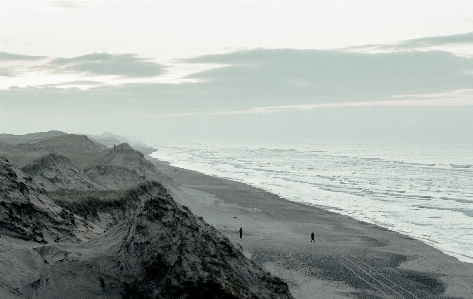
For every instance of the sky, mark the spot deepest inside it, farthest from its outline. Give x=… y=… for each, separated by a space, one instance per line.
x=240 y=72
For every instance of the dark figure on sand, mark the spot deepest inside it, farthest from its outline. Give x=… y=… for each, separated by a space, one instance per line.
x=241 y=232
x=312 y=237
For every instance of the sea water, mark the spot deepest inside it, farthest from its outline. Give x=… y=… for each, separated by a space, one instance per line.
x=425 y=192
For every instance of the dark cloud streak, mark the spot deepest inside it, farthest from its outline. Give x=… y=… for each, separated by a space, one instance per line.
x=421 y=44
x=464 y=38
x=6 y=57
x=129 y=65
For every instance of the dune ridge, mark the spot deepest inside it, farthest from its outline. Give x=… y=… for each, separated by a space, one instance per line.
x=81 y=220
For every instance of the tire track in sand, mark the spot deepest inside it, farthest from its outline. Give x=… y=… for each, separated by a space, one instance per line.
x=369 y=275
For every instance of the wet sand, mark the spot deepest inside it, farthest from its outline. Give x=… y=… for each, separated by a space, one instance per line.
x=349 y=258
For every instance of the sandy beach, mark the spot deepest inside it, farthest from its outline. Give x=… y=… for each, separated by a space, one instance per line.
x=349 y=258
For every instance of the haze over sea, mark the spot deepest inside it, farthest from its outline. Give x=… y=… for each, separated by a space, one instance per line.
x=425 y=192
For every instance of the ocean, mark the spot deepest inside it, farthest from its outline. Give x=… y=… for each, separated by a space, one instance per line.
x=423 y=192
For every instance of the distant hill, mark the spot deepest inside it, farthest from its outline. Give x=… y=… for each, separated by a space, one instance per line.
x=108 y=139
x=29 y=138
x=75 y=147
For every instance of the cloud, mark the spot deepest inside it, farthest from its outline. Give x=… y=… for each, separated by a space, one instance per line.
x=259 y=77
x=271 y=77
x=8 y=57
x=129 y=65
x=458 y=44
x=253 y=78
x=13 y=65
x=465 y=38
x=256 y=98
x=114 y=69
x=78 y=83
x=396 y=103
x=7 y=72
x=456 y=94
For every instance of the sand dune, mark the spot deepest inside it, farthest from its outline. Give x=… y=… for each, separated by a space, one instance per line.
x=111 y=242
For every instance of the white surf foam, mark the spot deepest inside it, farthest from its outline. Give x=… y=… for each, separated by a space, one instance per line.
x=424 y=193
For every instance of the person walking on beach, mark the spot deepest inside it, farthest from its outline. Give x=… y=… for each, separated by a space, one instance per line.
x=241 y=232
x=312 y=237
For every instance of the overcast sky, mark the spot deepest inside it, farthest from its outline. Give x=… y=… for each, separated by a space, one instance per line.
x=239 y=71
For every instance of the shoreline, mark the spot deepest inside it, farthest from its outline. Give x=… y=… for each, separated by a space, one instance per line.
x=350 y=258
x=432 y=234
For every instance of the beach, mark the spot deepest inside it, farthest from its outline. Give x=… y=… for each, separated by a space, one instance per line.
x=349 y=258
